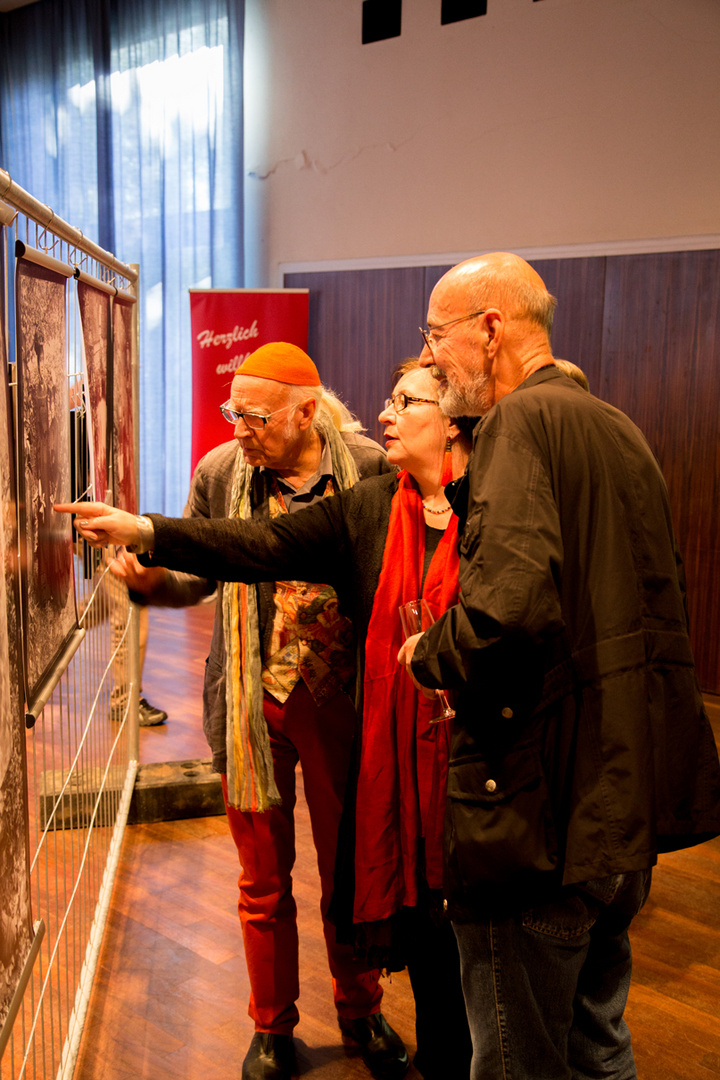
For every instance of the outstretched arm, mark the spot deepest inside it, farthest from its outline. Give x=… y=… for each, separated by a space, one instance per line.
x=305 y=546
x=102 y=525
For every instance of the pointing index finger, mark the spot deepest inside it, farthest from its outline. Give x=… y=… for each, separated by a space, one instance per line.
x=87 y=509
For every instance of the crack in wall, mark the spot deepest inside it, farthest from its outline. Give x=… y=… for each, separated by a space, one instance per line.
x=302 y=162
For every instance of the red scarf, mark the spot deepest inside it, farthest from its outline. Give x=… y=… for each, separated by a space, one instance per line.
x=403 y=763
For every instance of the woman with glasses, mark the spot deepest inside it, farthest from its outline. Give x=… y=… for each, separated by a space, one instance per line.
x=388 y=540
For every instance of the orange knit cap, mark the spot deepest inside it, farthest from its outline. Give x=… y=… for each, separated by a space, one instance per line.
x=283 y=362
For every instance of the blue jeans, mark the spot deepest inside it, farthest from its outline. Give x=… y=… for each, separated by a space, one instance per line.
x=545 y=989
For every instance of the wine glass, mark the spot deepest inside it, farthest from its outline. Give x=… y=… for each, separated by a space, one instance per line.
x=416 y=617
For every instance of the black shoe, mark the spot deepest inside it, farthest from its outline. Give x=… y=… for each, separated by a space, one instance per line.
x=382 y=1049
x=269 y=1057
x=149 y=716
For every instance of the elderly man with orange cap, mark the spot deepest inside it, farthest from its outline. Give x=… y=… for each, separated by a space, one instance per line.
x=281 y=660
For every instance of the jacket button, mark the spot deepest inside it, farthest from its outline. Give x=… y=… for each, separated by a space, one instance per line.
x=507 y=713
x=490 y=785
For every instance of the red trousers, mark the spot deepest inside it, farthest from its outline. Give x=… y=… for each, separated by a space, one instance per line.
x=320 y=739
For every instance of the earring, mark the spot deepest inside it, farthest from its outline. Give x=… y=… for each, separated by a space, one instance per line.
x=446 y=475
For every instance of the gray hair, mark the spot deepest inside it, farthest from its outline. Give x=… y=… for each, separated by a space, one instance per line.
x=499 y=286
x=573 y=371
x=330 y=410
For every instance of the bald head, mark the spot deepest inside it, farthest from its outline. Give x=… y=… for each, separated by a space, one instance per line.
x=501 y=279
x=489 y=322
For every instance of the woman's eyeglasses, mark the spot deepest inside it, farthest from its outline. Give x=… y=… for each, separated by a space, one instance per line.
x=399 y=402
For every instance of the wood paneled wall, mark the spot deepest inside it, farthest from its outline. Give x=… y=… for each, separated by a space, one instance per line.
x=644 y=328
x=362 y=323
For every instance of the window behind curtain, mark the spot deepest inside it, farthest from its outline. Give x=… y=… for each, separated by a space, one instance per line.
x=139 y=102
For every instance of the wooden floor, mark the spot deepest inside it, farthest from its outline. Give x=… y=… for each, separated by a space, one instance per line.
x=170 y=996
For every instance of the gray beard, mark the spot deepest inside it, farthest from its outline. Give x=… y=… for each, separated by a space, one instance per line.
x=473 y=399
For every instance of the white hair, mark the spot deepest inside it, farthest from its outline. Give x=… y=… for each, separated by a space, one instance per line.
x=330 y=410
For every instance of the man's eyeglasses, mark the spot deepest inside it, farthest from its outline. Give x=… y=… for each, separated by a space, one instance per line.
x=430 y=337
x=399 y=402
x=255 y=421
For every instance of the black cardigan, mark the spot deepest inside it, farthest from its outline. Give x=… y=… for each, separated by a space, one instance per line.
x=340 y=541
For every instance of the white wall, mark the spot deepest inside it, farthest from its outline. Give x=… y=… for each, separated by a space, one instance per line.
x=540 y=125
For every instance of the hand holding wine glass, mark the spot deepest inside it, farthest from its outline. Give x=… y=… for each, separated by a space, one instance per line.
x=416 y=617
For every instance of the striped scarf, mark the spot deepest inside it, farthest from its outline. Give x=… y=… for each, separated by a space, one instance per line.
x=250 y=777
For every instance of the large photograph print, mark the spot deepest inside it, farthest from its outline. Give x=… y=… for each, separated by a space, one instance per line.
x=46 y=537
x=124 y=488
x=15 y=916
x=95 y=318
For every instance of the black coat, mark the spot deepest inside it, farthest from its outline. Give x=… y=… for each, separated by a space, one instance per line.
x=581 y=747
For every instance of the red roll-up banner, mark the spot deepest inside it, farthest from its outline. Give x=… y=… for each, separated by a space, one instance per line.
x=226 y=326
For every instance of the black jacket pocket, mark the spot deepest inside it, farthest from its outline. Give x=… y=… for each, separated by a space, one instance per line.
x=500 y=822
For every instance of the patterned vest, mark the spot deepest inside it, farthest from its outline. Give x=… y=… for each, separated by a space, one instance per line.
x=310 y=639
